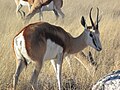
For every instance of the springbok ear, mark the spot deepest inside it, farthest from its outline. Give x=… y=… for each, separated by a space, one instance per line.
x=83 y=21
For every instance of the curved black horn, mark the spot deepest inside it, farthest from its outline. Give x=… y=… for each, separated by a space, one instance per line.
x=91 y=18
x=97 y=17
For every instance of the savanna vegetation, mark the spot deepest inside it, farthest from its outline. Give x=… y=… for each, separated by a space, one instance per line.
x=79 y=79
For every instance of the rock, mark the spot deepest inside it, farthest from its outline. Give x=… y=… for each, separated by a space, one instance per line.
x=108 y=82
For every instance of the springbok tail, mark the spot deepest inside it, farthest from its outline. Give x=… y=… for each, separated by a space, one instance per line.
x=25 y=61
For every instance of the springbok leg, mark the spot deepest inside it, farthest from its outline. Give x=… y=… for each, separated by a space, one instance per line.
x=35 y=74
x=20 y=65
x=59 y=69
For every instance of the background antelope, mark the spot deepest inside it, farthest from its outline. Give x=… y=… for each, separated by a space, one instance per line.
x=37 y=5
x=19 y=4
x=49 y=7
x=42 y=41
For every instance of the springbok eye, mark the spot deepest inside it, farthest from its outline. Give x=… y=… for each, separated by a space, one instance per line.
x=91 y=35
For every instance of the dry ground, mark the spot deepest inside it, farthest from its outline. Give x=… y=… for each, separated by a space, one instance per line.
x=107 y=59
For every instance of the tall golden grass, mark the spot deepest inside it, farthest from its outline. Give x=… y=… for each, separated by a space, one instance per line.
x=107 y=59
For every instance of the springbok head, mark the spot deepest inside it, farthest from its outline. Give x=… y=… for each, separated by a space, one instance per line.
x=92 y=32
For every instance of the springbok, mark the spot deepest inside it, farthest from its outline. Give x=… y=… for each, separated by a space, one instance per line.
x=19 y=4
x=36 y=6
x=42 y=41
x=49 y=7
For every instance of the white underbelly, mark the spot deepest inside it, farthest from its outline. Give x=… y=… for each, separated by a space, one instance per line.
x=48 y=7
x=24 y=3
x=52 y=50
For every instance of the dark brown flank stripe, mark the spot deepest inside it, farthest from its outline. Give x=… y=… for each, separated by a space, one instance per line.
x=37 y=34
x=55 y=39
x=43 y=4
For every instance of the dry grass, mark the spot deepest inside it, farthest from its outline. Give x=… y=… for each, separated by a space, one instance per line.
x=108 y=58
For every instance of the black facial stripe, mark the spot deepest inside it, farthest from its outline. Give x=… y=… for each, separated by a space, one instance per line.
x=91 y=35
x=93 y=39
x=94 y=42
x=94 y=28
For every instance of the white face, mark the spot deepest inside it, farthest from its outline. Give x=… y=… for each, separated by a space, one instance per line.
x=92 y=32
x=93 y=40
